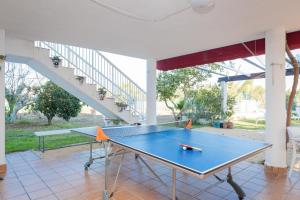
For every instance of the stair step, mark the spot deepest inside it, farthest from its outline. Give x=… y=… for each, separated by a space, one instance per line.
x=110 y=98
x=87 y=92
x=67 y=70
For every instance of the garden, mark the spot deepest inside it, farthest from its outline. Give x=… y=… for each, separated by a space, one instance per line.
x=187 y=93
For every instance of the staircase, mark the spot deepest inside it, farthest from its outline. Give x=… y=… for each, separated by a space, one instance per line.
x=82 y=72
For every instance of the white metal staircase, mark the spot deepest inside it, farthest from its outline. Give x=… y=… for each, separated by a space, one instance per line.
x=82 y=72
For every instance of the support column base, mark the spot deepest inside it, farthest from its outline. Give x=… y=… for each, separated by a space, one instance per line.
x=276 y=170
x=2 y=171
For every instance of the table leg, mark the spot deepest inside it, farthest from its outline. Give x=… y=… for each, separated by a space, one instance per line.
x=106 y=192
x=174 y=184
x=117 y=176
x=88 y=164
x=238 y=190
x=151 y=170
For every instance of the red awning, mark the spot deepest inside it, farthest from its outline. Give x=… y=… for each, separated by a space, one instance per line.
x=241 y=50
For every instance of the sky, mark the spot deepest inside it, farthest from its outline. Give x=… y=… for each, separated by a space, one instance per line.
x=134 y=68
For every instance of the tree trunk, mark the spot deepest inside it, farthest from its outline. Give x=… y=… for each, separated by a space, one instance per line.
x=172 y=109
x=49 y=120
x=16 y=108
x=13 y=116
x=294 y=88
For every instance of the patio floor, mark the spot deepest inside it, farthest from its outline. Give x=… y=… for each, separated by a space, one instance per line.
x=59 y=174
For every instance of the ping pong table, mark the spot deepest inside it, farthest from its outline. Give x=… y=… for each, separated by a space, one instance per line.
x=162 y=143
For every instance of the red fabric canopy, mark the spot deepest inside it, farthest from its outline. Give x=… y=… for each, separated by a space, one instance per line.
x=241 y=50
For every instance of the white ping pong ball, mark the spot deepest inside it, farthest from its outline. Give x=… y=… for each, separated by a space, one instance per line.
x=184 y=148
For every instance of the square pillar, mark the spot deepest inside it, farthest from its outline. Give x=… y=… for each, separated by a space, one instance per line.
x=224 y=96
x=275 y=98
x=151 y=92
x=2 y=106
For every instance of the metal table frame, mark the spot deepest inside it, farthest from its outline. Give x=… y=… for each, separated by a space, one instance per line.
x=122 y=150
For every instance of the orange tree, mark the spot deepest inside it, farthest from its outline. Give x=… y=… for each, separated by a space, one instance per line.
x=54 y=101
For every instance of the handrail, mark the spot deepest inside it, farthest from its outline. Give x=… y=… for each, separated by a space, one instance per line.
x=97 y=69
x=107 y=60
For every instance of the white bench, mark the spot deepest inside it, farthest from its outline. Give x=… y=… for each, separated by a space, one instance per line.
x=43 y=134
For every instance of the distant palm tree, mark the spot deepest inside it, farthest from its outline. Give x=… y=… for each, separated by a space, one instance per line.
x=246 y=90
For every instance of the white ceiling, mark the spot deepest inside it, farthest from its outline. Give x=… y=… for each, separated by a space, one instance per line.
x=86 y=24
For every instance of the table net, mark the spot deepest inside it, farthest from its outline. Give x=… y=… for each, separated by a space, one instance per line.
x=126 y=131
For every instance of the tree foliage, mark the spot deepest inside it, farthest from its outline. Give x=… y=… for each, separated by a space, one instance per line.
x=173 y=87
x=54 y=101
x=205 y=103
x=246 y=90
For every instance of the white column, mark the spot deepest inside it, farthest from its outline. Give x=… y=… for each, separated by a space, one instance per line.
x=224 y=96
x=2 y=102
x=275 y=98
x=151 y=92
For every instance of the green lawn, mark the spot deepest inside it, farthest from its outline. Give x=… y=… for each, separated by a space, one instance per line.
x=19 y=135
x=21 y=139
x=250 y=124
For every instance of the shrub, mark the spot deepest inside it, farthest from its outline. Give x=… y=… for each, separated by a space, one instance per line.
x=54 y=101
x=205 y=103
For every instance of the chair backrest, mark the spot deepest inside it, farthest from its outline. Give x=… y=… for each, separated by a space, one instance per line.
x=294 y=132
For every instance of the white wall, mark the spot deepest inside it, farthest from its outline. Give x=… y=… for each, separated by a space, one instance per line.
x=2 y=100
x=20 y=47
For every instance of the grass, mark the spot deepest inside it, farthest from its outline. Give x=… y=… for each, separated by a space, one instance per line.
x=20 y=135
x=250 y=124
x=20 y=140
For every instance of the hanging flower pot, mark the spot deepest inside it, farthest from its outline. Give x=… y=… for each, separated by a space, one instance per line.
x=102 y=93
x=80 y=79
x=122 y=106
x=56 y=61
x=2 y=59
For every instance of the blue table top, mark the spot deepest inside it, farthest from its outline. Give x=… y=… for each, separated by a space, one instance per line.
x=164 y=143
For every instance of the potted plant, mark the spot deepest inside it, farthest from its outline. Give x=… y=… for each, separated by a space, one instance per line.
x=122 y=106
x=2 y=59
x=56 y=61
x=217 y=120
x=80 y=79
x=102 y=93
x=227 y=122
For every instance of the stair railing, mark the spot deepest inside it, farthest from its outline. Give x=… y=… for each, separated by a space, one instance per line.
x=97 y=69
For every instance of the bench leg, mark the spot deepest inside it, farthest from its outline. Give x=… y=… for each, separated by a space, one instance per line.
x=39 y=143
x=43 y=138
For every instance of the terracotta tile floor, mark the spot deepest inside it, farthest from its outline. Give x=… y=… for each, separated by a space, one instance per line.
x=59 y=174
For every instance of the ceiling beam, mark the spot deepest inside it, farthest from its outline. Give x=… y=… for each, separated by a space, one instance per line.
x=288 y=72
x=210 y=71
x=288 y=61
x=237 y=71
x=225 y=53
x=254 y=64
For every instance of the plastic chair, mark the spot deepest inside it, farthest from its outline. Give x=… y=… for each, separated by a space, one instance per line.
x=294 y=136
